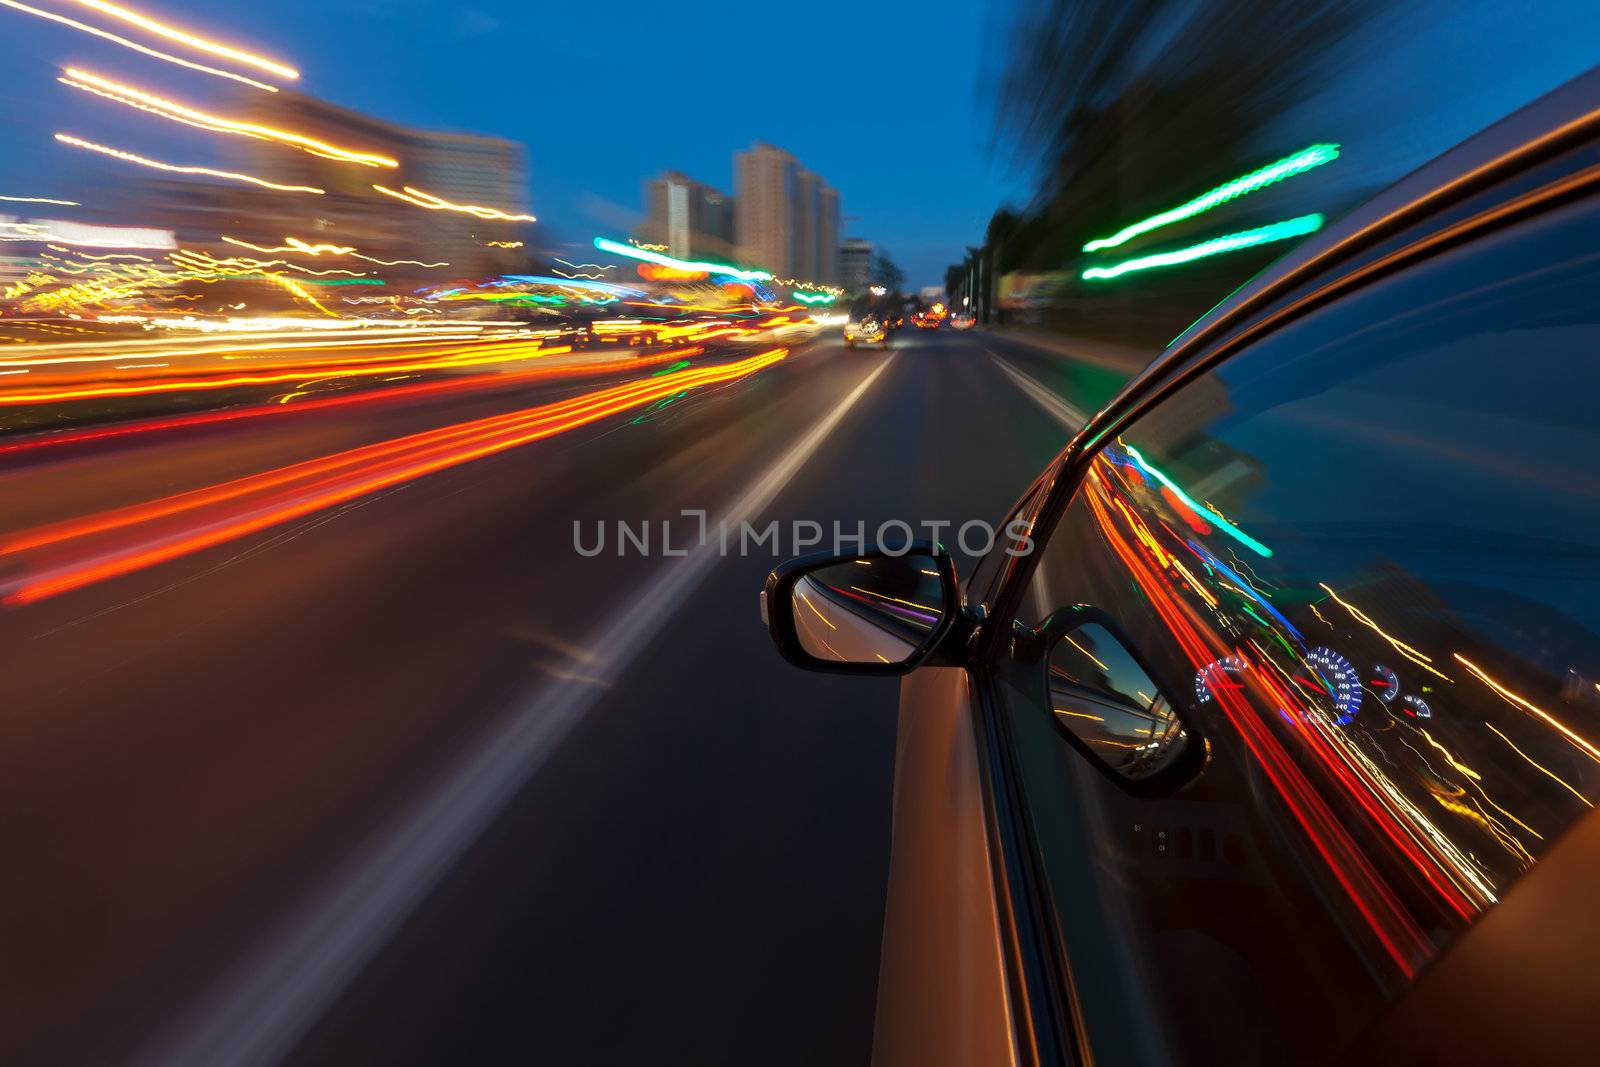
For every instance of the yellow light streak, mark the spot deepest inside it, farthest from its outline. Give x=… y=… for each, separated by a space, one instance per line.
x=1419 y=658
x=171 y=109
x=1562 y=781
x=1080 y=714
x=1086 y=652
x=294 y=244
x=1450 y=759
x=202 y=44
x=807 y=601
x=299 y=290
x=412 y=195
x=399 y=262
x=1578 y=742
x=117 y=153
x=124 y=42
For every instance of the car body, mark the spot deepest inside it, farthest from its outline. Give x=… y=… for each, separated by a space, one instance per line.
x=963 y=322
x=1269 y=730
x=866 y=330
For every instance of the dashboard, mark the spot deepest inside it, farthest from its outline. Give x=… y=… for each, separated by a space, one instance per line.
x=1329 y=682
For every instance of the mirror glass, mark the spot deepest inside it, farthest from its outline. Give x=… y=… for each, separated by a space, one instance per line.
x=1106 y=699
x=878 y=610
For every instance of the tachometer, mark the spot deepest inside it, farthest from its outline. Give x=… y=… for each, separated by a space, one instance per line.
x=1384 y=683
x=1332 y=682
x=1218 y=674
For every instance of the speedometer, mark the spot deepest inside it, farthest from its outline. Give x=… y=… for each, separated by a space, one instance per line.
x=1333 y=684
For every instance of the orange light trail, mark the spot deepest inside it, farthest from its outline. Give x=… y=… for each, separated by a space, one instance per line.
x=170 y=109
x=201 y=44
x=433 y=203
x=275 y=497
x=479 y=355
x=117 y=153
x=135 y=46
x=76 y=528
x=375 y=397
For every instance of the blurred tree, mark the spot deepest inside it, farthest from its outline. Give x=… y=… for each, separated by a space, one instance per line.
x=887 y=273
x=1125 y=106
x=954 y=275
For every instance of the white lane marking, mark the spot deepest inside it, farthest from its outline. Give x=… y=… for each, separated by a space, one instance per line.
x=1067 y=414
x=274 y=1000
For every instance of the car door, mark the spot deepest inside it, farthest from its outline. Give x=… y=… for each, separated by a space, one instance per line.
x=1306 y=675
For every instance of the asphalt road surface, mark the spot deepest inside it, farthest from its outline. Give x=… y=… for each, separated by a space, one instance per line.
x=410 y=779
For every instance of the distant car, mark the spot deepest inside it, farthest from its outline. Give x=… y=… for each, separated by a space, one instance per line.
x=1268 y=729
x=963 y=322
x=866 y=330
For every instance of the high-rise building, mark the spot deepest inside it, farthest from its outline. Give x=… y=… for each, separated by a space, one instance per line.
x=828 y=238
x=464 y=169
x=787 y=217
x=764 y=188
x=855 y=264
x=807 y=219
x=691 y=218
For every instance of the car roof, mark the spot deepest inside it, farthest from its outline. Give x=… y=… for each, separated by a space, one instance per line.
x=1549 y=126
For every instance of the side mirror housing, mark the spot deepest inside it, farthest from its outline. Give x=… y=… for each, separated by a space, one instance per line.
x=877 y=613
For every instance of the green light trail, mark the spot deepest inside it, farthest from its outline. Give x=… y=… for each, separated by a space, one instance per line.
x=1204 y=512
x=1289 y=166
x=813 y=298
x=1233 y=242
x=617 y=248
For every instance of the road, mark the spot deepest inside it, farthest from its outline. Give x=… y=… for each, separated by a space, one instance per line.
x=407 y=778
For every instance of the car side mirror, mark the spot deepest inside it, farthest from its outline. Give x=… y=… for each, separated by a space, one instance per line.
x=1105 y=699
x=876 y=613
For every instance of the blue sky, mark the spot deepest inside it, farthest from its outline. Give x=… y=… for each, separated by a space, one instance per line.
x=883 y=99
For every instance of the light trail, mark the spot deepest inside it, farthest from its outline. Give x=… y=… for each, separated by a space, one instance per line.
x=57 y=533
x=201 y=44
x=617 y=248
x=413 y=195
x=117 y=153
x=352 y=369
x=1421 y=659
x=1391 y=924
x=1232 y=242
x=1515 y=700
x=295 y=244
x=258 y=502
x=189 y=116
x=124 y=42
x=1289 y=166
x=39 y=200
x=494 y=380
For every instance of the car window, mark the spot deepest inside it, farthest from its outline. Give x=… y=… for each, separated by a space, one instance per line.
x=1015 y=544
x=1362 y=557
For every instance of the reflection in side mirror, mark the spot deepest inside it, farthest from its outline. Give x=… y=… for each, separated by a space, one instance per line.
x=1105 y=699
x=866 y=614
